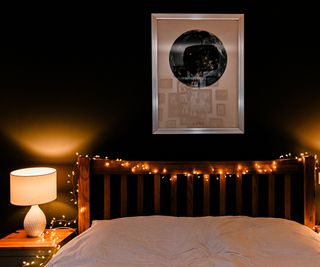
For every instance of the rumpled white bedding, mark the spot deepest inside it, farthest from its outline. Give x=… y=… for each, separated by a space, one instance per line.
x=221 y=241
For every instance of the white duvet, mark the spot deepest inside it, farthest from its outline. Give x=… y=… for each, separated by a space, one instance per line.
x=222 y=241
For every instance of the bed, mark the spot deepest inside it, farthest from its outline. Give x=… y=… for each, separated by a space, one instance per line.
x=152 y=213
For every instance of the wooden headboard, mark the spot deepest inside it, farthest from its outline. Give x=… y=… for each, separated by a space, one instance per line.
x=116 y=188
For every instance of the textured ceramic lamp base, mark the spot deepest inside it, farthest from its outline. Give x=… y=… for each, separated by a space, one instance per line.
x=35 y=222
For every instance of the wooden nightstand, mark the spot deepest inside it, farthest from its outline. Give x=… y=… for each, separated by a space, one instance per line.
x=17 y=247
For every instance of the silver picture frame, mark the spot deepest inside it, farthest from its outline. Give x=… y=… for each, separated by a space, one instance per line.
x=197 y=73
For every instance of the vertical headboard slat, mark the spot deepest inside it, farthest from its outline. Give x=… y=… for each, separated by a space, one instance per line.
x=123 y=196
x=157 y=192
x=287 y=196
x=222 y=188
x=206 y=195
x=190 y=196
x=140 y=194
x=106 y=195
x=173 y=196
x=84 y=194
x=309 y=191
x=255 y=195
x=271 y=195
x=239 y=194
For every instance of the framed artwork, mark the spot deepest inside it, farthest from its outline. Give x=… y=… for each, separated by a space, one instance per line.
x=197 y=73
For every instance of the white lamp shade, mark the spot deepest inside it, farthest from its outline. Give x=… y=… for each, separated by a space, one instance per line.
x=32 y=186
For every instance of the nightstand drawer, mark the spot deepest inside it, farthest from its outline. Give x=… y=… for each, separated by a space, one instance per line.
x=17 y=247
x=12 y=257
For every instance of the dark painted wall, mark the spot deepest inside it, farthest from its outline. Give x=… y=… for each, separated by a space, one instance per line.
x=78 y=79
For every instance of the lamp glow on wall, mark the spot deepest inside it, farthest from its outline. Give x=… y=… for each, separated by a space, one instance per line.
x=33 y=186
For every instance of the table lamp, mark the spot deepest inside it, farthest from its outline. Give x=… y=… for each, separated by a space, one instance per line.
x=33 y=186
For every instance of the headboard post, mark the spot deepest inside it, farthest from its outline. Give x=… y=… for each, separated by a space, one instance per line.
x=84 y=194
x=309 y=191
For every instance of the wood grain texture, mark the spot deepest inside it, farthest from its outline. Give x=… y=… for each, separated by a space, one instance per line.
x=309 y=191
x=84 y=194
x=50 y=239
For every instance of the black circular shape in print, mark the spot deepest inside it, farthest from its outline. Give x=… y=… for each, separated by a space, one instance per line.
x=198 y=58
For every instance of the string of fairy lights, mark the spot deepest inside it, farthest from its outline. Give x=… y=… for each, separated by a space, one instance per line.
x=300 y=157
x=56 y=223
x=41 y=259
x=62 y=221
x=73 y=181
x=237 y=170
x=147 y=169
